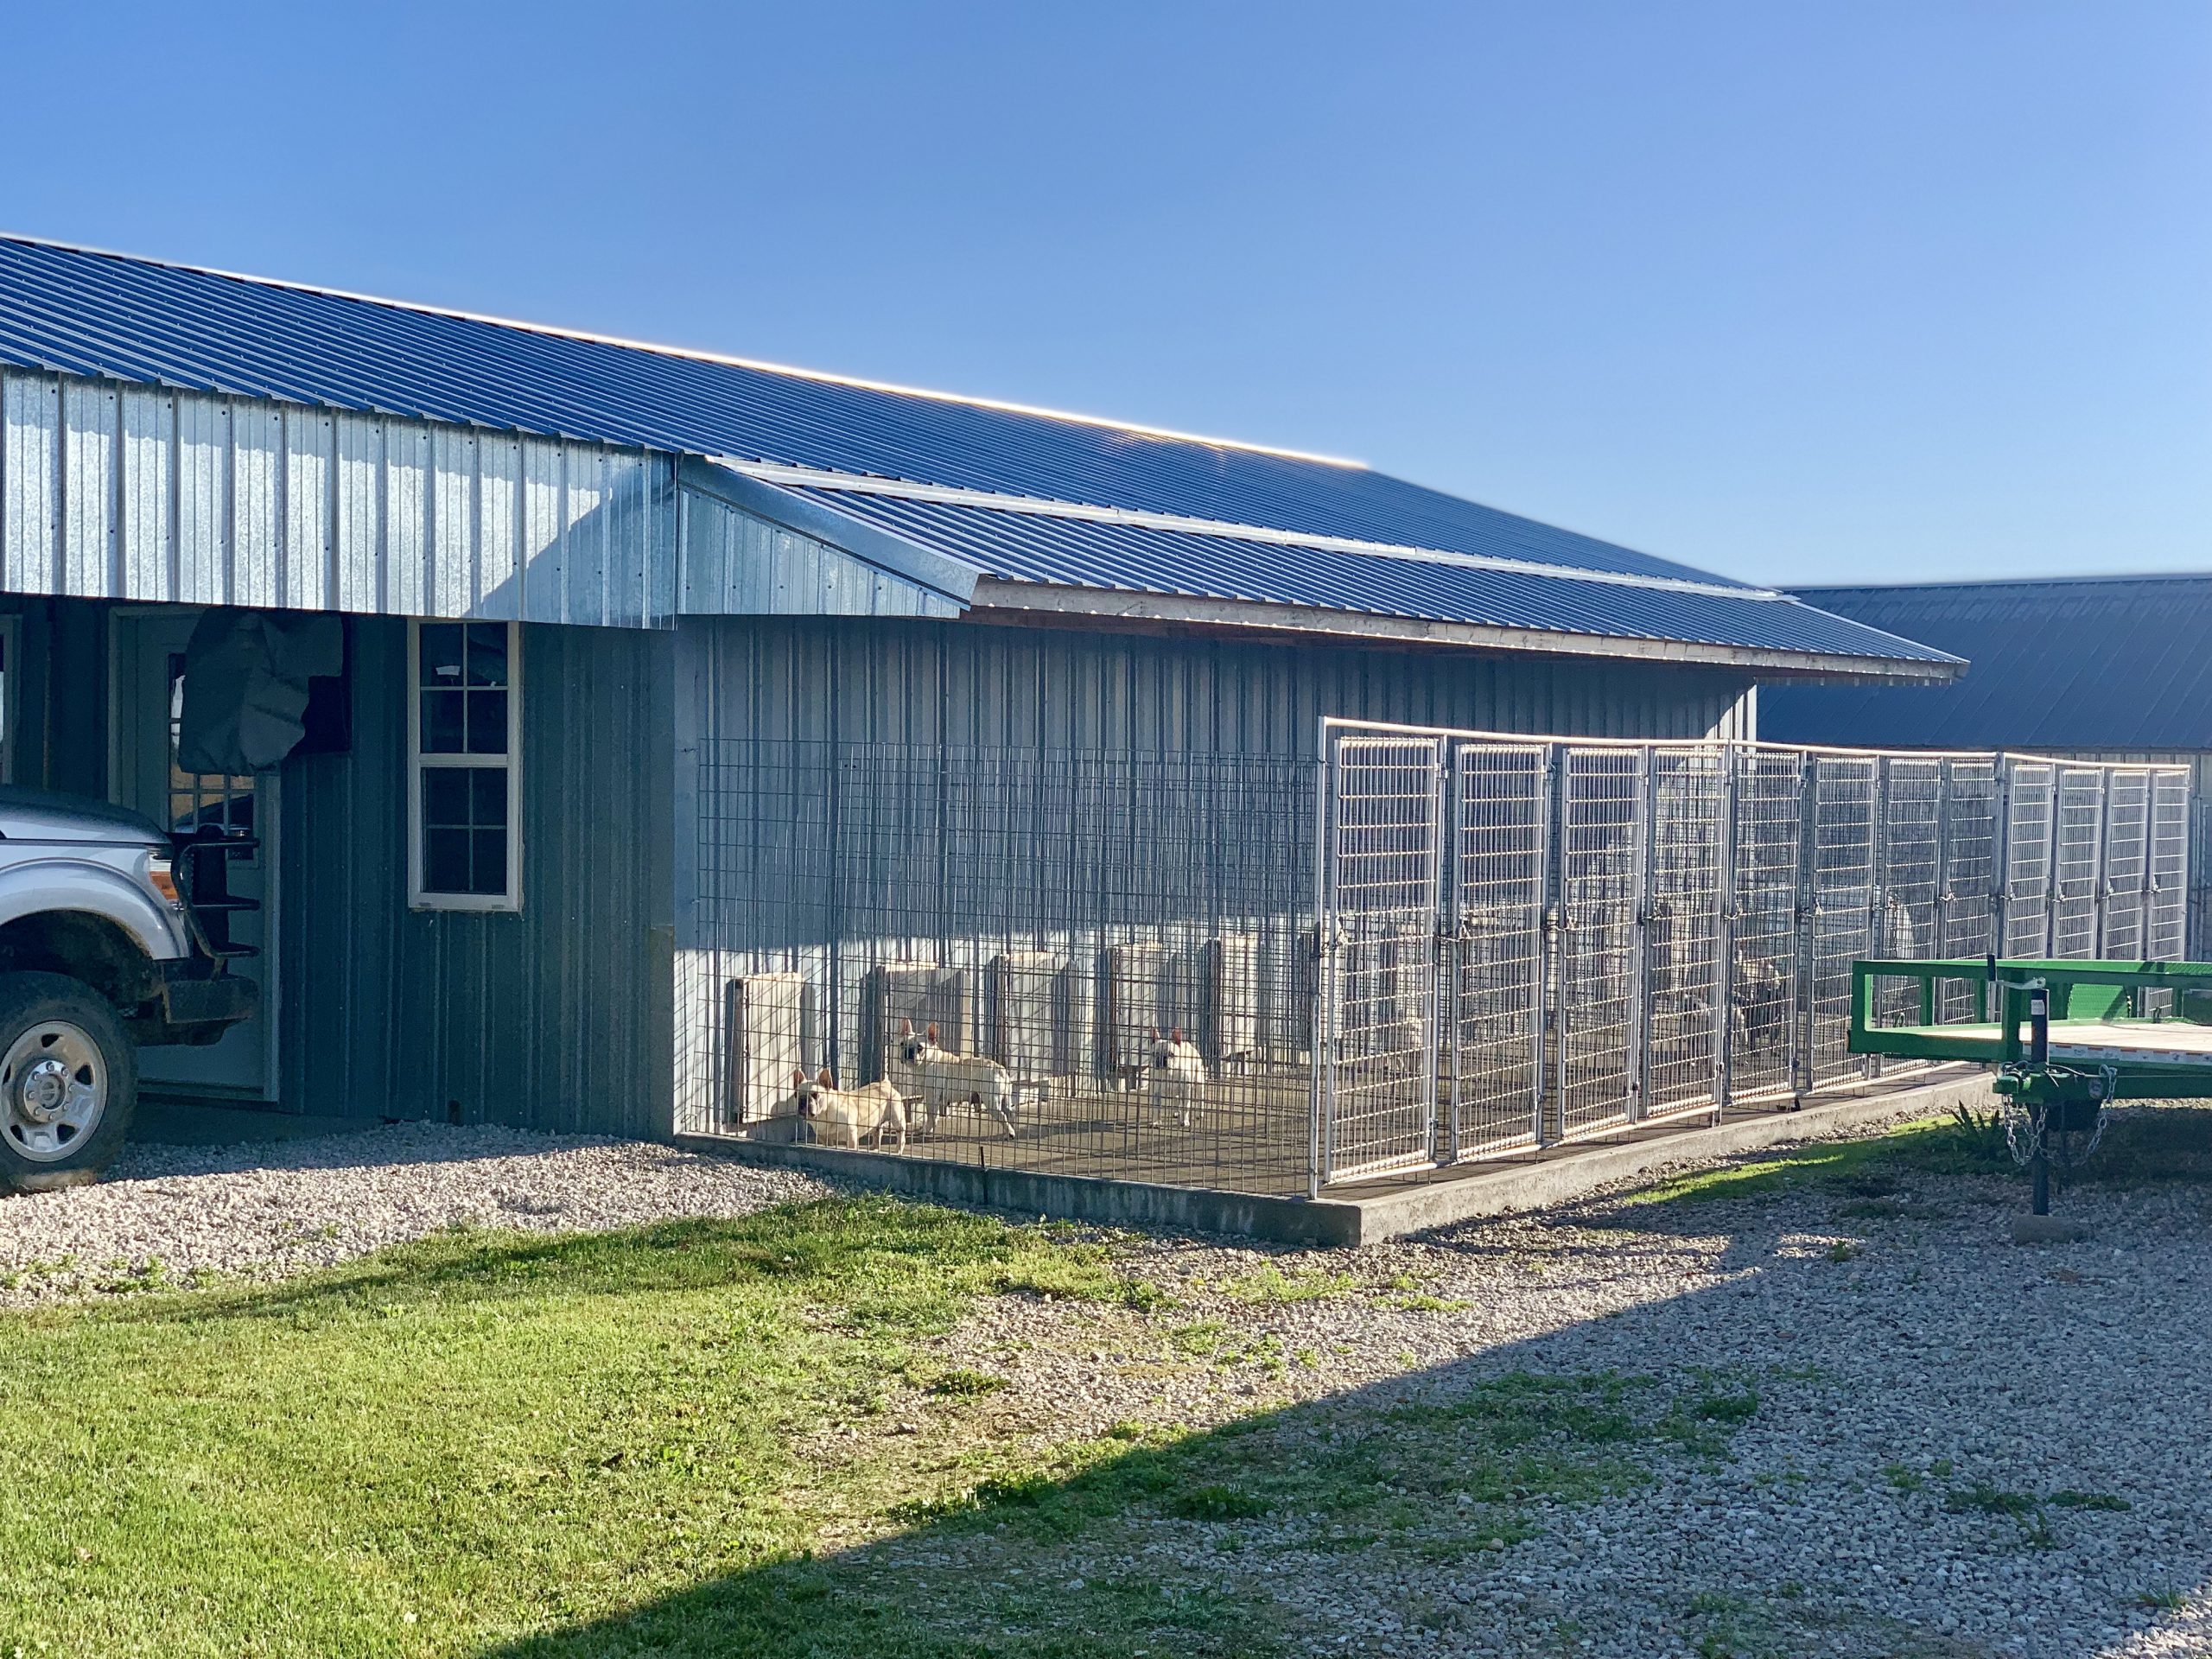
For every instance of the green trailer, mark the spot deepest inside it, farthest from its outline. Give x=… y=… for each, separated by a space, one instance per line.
x=2067 y=1038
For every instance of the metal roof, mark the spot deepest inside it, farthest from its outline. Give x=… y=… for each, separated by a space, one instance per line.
x=1026 y=547
x=77 y=312
x=2117 y=662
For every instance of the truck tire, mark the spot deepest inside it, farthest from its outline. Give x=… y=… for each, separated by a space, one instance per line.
x=68 y=1081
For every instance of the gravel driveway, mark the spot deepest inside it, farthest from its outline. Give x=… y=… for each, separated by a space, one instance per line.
x=172 y=1213
x=1963 y=1446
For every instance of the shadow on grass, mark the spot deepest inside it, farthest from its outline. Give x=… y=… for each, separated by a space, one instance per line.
x=1418 y=1500
x=1434 y=1500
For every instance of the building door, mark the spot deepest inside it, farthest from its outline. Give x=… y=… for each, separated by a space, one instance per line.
x=149 y=703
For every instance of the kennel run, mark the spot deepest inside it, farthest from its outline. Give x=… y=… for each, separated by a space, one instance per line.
x=1492 y=942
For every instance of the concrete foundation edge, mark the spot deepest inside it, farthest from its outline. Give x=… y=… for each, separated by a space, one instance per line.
x=1482 y=1191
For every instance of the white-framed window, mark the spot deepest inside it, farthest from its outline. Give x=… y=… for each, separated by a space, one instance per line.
x=464 y=765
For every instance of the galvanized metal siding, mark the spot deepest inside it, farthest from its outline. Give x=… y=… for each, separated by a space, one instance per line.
x=925 y=682
x=737 y=564
x=557 y=1017
x=121 y=492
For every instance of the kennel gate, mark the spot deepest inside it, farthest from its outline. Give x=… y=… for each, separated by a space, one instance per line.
x=1526 y=942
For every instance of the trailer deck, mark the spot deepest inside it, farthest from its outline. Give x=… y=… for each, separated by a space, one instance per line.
x=2066 y=1040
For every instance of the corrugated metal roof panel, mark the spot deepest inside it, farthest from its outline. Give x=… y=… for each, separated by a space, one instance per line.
x=78 y=312
x=1024 y=547
x=2093 y=663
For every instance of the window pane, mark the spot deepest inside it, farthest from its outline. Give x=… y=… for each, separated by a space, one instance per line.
x=488 y=796
x=441 y=722
x=487 y=721
x=445 y=795
x=439 y=650
x=487 y=653
x=490 y=871
x=445 y=860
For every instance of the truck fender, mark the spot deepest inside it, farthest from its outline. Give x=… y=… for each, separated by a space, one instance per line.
x=47 y=885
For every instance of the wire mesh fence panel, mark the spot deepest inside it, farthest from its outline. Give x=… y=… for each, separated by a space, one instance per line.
x=1683 y=996
x=1083 y=963
x=1168 y=967
x=1843 y=831
x=1381 y=877
x=2126 y=864
x=1908 y=862
x=1601 y=835
x=2077 y=852
x=1763 y=929
x=1494 y=1053
x=2167 y=928
x=1966 y=915
x=2030 y=807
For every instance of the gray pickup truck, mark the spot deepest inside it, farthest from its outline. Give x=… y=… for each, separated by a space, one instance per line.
x=113 y=934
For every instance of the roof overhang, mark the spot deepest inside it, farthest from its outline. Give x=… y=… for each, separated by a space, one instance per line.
x=886 y=549
x=995 y=599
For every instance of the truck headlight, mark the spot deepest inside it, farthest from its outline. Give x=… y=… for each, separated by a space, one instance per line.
x=163 y=878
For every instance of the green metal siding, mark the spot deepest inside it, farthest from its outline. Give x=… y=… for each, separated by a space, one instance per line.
x=555 y=1018
x=864 y=680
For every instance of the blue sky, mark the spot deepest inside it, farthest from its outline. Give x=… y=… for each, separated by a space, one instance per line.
x=1801 y=292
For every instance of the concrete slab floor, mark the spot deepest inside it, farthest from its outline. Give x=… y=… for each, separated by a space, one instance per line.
x=1379 y=1210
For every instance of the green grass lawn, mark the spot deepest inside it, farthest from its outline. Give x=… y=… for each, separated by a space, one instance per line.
x=665 y=1441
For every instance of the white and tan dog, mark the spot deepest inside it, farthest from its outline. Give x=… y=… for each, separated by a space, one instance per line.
x=945 y=1080
x=875 y=1109
x=1176 y=1076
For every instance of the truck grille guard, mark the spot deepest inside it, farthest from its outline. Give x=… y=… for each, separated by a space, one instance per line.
x=203 y=860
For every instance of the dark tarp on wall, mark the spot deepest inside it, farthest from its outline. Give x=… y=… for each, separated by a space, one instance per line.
x=245 y=687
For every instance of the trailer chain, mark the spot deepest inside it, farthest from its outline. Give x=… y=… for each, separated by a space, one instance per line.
x=2026 y=1127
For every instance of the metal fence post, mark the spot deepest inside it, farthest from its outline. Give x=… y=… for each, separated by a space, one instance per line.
x=1940 y=933
x=2104 y=869
x=1444 y=966
x=1806 y=912
x=2050 y=862
x=1317 y=1155
x=1878 y=858
x=2001 y=872
x=1724 y=927
x=1641 y=858
x=1551 y=1047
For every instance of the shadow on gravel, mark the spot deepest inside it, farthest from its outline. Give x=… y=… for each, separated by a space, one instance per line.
x=1436 y=1512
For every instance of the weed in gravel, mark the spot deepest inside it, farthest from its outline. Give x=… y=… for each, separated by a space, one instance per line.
x=1983 y=1499
x=2071 y=1499
x=1843 y=1250
x=1427 y=1304
x=1902 y=1478
x=1713 y=1601
x=1269 y=1285
x=963 y=1383
x=2161 y=1601
x=1215 y=1503
x=1201 y=1338
x=1872 y=1209
x=1075 y=1273
x=1728 y=1408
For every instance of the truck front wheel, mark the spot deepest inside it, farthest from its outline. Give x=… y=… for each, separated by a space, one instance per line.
x=68 y=1080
